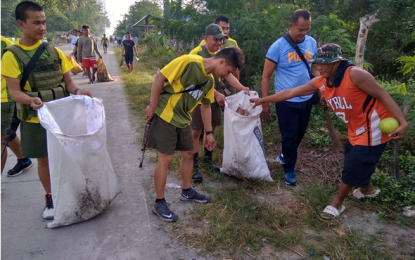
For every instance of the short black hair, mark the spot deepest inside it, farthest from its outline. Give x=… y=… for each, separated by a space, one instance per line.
x=233 y=55
x=127 y=33
x=25 y=6
x=305 y=14
x=104 y=34
x=222 y=18
x=85 y=26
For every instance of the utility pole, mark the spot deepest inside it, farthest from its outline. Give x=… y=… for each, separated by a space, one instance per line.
x=125 y=20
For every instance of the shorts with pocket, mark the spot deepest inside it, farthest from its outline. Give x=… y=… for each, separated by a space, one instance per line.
x=360 y=163
x=166 y=138
x=33 y=139
x=7 y=109
x=129 y=59
x=197 y=122
x=90 y=62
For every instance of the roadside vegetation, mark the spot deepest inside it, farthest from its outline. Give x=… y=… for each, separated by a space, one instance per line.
x=267 y=220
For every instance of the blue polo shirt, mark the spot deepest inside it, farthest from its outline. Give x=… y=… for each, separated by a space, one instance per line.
x=291 y=71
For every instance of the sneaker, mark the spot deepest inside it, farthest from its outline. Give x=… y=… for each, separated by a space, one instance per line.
x=19 y=168
x=49 y=211
x=280 y=159
x=160 y=209
x=194 y=195
x=290 y=178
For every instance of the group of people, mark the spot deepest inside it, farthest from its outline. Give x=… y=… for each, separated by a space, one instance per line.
x=188 y=94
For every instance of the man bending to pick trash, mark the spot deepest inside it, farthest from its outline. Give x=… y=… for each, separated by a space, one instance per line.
x=179 y=87
x=356 y=98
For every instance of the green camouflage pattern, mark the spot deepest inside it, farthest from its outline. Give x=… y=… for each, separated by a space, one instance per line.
x=329 y=53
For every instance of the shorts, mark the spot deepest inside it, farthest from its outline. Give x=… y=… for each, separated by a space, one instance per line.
x=105 y=45
x=90 y=62
x=360 y=163
x=33 y=139
x=197 y=122
x=166 y=138
x=129 y=59
x=7 y=109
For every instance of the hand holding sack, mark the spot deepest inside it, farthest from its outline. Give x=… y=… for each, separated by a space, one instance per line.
x=76 y=68
x=102 y=72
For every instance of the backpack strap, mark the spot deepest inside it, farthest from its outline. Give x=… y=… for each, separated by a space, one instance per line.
x=290 y=40
x=52 y=52
x=19 y=53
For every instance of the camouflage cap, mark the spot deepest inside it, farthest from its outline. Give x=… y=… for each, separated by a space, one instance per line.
x=329 y=53
x=215 y=30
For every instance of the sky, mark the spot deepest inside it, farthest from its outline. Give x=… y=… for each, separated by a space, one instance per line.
x=116 y=9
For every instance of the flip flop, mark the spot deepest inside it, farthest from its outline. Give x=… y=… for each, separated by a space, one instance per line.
x=357 y=194
x=331 y=212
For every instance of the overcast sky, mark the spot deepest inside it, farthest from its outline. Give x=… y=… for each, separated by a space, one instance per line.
x=115 y=9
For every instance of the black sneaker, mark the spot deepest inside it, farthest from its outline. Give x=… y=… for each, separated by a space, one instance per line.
x=19 y=168
x=194 y=195
x=49 y=211
x=160 y=209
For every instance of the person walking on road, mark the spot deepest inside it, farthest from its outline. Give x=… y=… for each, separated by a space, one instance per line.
x=361 y=103
x=87 y=47
x=74 y=38
x=7 y=109
x=214 y=37
x=32 y=21
x=290 y=72
x=128 y=50
x=119 y=41
x=179 y=87
x=104 y=41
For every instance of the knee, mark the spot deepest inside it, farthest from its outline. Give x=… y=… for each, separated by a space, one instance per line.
x=43 y=162
x=196 y=133
x=165 y=160
x=187 y=155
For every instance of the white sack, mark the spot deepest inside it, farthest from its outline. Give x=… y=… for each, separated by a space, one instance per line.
x=244 y=152
x=82 y=178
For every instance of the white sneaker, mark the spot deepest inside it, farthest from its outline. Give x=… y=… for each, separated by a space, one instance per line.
x=49 y=211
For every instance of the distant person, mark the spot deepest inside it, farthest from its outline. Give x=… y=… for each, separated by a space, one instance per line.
x=73 y=37
x=87 y=48
x=32 y=21
x=75 y=51
x=7 y=109
x=128 y=46
x=119 y=41
x=110 y=38
x=104 y=41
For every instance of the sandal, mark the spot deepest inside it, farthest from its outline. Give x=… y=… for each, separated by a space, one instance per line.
x=331 y=212
x=357 y=194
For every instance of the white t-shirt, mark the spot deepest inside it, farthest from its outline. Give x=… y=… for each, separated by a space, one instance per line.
x=73 y=40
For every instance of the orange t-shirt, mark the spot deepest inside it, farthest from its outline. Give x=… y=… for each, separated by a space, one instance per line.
x=361 y=112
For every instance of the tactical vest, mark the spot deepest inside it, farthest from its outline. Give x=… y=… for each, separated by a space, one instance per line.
x=46 y=79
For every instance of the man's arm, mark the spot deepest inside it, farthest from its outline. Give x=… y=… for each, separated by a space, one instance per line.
x=96 y=49
x=74 y=50
x=220 y=98
x=237 y=74
x=156 y=90
x=20 y=97
x=122 y=50
x=269 y=67
x=208 y=140
x=80 y=43
x=304 y=90
x=367 y=83
x=233 y=81
x=71 y=86
x=67 y=34
x=135 y=50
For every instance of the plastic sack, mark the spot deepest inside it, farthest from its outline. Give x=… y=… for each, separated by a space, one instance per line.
x=244 y=152
x=82 y=178
x=102 y=72
x=76 y=68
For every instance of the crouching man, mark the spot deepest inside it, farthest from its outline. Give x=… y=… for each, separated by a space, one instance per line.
x=179 y=87
x=356 y=98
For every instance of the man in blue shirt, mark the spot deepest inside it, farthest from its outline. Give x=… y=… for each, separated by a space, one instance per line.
x=290 y=72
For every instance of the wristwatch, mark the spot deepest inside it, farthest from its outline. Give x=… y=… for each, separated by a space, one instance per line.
x=210 y=132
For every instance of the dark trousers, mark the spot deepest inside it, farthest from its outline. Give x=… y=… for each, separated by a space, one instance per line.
x=293 y=120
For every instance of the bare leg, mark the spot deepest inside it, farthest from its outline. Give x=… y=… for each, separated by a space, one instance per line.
x=15 y=146
x=88 y=73
x=343 y=191
x=160 y=173
x=43 y=171
x=369 y=190
x=94 y=70
x=186 y=168
x=196 y=136
x=131 y=67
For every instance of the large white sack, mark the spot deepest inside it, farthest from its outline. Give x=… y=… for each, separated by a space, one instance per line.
x=244 y=152
x=82 y=178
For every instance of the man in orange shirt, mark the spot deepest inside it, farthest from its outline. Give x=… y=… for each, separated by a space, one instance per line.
x=356 y=98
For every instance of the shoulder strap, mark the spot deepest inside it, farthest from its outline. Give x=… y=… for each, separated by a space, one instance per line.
x=290 y=40
x=29 y=67
x=19 y=53
x=197 y=87
x=52 y=52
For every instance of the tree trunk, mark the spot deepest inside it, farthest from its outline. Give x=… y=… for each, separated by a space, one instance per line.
x=365 y=23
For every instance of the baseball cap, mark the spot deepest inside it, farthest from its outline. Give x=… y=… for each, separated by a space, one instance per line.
x=215 y=30
x=329 y=53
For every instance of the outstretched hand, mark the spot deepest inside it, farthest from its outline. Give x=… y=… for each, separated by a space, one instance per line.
x=257 y=101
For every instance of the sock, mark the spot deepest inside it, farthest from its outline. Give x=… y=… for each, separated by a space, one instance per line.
x=24 y=160
x=185 y=190
x=158 y=200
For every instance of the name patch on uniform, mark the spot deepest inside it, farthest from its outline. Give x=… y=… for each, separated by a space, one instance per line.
x=360 y=130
